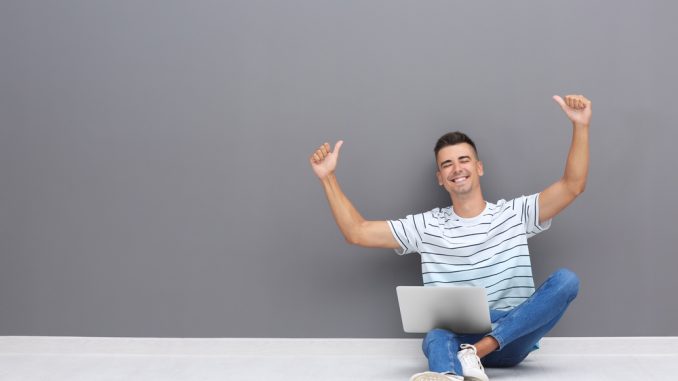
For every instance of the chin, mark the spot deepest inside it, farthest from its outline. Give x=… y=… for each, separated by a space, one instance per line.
x=463 y=191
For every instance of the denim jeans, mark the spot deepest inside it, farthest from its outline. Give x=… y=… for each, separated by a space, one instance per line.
x=517 y=330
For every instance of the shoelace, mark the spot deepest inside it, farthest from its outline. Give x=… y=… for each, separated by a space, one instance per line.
x=471 y=360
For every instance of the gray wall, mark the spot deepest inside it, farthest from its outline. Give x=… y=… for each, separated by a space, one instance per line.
x=154 y=157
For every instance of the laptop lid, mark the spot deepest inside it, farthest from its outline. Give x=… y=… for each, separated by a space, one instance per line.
x=458 y=309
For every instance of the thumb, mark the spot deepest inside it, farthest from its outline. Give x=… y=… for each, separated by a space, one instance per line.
x=560 y=101
x=337 y=147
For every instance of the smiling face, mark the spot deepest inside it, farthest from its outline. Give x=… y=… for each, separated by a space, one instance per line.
x=459 y=169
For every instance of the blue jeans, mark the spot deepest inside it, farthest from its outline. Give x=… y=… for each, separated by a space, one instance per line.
x=517 y=331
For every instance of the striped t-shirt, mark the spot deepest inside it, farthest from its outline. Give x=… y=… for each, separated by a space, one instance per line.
x=489 y=250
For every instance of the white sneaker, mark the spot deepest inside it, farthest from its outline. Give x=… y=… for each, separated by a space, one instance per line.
x=433 y=376
x=470 y=363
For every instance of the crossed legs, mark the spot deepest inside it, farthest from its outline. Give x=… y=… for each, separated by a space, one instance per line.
x=516 y=332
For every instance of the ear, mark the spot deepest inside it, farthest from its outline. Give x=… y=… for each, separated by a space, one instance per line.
x=479 y=168
x=439 y=177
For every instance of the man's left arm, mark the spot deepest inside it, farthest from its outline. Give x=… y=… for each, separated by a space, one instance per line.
x=561 y=193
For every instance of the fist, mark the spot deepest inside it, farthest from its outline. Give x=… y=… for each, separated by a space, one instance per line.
x=323 y=161
x=576 y=107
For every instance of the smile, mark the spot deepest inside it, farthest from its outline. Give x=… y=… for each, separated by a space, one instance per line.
x=460 y=180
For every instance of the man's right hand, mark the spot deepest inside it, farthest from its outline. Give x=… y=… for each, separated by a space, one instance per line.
x=323 y=161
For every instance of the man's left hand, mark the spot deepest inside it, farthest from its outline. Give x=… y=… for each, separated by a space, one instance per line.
x=576 y=107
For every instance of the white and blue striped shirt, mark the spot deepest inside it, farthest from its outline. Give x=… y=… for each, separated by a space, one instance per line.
x=489 y=250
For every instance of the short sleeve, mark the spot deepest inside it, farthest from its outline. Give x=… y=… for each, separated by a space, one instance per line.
x=527 y=208
x=407 y=232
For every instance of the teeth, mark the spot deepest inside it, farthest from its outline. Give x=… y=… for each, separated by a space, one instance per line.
x=460 y=179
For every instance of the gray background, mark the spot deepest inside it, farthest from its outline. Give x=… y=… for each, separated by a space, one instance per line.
x=154 y=157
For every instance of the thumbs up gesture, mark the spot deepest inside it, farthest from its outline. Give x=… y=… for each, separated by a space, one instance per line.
x=576 y=107
x=323 y=161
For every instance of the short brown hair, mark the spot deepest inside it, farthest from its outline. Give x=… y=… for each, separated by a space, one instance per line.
x=453 y=138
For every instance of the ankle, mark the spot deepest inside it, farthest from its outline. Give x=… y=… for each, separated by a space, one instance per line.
x=486 y=345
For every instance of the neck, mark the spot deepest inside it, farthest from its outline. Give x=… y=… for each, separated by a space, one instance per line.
x=468 y=206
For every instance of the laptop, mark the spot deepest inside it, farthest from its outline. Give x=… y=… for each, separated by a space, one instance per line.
x=458 y=309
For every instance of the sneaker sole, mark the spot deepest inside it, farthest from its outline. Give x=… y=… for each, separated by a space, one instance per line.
x=475 y=379
x=431 y=376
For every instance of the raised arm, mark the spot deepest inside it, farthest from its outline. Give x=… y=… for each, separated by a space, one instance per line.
x=353 y=226
x=561 y=193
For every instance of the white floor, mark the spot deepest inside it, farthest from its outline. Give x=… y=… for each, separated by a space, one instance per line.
x=149 y=359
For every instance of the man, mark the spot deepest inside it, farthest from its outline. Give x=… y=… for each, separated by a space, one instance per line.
x=474 y=242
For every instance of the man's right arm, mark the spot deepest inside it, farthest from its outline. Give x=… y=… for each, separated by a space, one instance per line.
x=353 y=226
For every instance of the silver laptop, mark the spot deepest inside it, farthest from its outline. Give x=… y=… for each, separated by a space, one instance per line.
x=458 y=309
